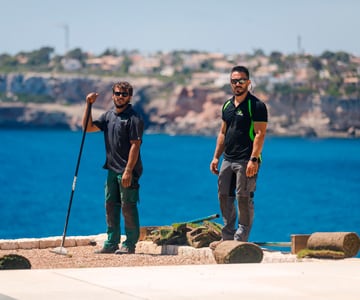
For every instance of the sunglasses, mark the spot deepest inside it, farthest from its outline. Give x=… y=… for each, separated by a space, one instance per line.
x=118 y=94
x=241 y=80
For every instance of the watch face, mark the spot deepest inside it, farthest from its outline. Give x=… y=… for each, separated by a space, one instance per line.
x=254 y=159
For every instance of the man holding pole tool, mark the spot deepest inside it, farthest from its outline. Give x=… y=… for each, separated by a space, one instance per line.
x=123 y=130
x=240 y=139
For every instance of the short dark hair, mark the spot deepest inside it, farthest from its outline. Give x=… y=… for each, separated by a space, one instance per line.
x=241 y=69
x=123 y=85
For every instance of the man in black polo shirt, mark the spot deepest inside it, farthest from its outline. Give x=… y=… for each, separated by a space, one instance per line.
x=241 y=139
x=123 y=130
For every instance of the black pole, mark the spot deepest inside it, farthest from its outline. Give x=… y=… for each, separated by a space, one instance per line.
x=76 y=173
x=211 y=217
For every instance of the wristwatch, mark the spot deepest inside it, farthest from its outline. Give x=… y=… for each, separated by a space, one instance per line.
x=254 y=159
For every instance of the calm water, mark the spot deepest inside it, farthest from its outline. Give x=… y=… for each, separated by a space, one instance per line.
x=304 y=185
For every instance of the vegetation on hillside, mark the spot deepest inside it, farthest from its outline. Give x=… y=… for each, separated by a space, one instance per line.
x=334 y=74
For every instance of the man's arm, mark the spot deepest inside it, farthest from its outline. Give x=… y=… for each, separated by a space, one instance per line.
x=260 y=131
x=219 y=149
x=90 y=126
x=133 y=157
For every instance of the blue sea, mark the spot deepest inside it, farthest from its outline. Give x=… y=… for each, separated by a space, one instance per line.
x=304 y=185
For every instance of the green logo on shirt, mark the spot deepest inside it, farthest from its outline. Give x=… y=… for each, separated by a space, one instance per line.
x=239 y=113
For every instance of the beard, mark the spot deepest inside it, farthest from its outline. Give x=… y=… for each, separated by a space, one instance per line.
x=241 y=92
x=121 y=105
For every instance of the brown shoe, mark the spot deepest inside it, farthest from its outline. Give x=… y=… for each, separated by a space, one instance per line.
x=106 y=250
x=214 y=244
x=125 y=250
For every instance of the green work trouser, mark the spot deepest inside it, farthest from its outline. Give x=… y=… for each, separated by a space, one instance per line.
x=117 y=199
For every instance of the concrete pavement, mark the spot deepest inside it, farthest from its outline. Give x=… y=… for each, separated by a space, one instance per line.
x=321 y=279
x=279 y=276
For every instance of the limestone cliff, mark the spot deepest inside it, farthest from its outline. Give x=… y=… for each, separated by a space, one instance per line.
x=57 y=101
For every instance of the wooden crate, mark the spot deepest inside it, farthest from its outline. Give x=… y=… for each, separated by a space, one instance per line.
x=298 y=242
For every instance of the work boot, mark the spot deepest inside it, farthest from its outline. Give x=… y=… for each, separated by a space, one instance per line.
x=106 y=250
x=242 y=234
x=125 y=250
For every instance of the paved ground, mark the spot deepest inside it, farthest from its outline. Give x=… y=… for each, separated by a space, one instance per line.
x=279 y=276
x=306 y=280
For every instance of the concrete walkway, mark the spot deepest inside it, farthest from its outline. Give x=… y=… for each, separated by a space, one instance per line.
x=279 y=276
x=306 y=280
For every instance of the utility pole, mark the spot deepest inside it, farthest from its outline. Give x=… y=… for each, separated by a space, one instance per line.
x=300 y=50
x=66 y=30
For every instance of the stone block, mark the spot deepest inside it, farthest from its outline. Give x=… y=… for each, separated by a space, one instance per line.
x=70 y=242
x=83 y=242
x=29 y=243
x=147 y=248
x=49 y=243
x=9 y=245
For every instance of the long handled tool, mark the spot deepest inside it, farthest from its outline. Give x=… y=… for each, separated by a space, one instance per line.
x=61 y=249
x=211 y=217
x=273 y=244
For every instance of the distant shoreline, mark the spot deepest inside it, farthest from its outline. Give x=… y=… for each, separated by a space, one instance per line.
x=152 y=132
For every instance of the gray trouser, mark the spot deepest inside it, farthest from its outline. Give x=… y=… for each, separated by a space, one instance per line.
x=234 y=184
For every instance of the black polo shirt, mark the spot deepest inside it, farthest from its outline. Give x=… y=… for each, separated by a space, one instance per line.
x=119 y=130
x=239 y=130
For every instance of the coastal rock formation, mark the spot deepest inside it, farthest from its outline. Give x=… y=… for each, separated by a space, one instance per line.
x=34 y=100
x=41 y=116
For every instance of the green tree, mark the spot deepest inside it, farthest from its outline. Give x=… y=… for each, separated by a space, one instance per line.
x=127 y=62
x=342 y=56
x=207 y=65
x=40 y=57
x=316 y=63
x=333 y=90
x=77 y=54
x=259 y=52
x=7 y=60
x=109 y=51
x=283 y=88
x=276 y=57
x=351 y=89
x=327 y=55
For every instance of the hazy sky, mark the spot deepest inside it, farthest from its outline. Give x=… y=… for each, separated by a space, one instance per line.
x=228 y=26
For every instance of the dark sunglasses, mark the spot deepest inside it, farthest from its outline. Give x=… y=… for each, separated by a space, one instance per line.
x=118 y=94
x=241 y=80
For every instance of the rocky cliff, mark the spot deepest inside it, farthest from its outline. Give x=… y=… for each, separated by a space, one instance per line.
x=57 y=101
